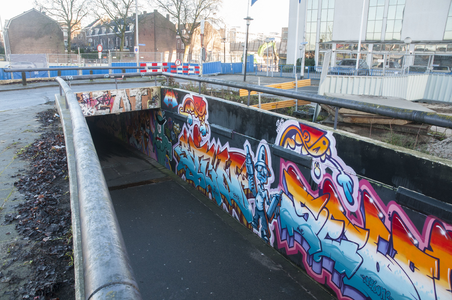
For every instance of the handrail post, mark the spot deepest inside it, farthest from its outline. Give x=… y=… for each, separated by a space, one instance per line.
x=24 y=78
x=336 y=115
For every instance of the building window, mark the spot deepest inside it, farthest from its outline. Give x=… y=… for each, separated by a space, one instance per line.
x=448 y=32
x=311 y=24
x=375 y=19
x=326 y=21
x=395 y=19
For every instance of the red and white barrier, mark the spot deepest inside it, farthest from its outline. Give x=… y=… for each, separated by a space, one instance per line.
x=154 y=67
x=185 y=70
x=170 y=67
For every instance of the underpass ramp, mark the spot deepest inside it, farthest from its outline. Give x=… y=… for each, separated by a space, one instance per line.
x=182 y=246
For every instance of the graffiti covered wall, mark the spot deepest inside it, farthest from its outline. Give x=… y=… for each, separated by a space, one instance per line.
x=344 y=229
x=117 y=101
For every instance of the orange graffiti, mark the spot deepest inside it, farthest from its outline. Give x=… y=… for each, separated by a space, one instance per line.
x=311 y=140
x=196 y=107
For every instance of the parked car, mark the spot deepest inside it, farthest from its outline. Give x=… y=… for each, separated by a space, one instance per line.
x=21 y=65
x=348 y=67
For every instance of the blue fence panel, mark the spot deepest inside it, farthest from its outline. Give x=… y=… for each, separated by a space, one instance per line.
x=211 y=68
x=124 y=65
x=231 y=68
x=32 y=74
x=4 y=75
x=63 y=72
x=250 y=63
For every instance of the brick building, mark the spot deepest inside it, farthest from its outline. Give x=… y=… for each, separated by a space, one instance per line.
x=156 y=33
x=33 y=32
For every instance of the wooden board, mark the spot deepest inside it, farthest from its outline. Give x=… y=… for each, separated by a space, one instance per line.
x=280 y=104
x=284 y=86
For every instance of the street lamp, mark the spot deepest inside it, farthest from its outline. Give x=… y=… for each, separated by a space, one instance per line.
x=136 y=32
x=248 y=21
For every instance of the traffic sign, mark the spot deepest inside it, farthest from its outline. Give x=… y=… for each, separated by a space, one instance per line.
x=100 y=48
x=177 y=62
x=135 y=49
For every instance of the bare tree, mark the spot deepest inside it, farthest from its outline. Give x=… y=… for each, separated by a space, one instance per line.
x=68 y=12
x=187 y=15
x=118 y=12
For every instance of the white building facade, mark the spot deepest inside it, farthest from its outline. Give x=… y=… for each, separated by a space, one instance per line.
x=402 y=33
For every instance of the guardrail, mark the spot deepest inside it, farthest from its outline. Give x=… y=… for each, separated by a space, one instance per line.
x=388 y=111
x=106 y=267
x=59 y=69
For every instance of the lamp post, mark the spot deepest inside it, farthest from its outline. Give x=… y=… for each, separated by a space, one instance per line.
x=248 y=21
x=137 y=51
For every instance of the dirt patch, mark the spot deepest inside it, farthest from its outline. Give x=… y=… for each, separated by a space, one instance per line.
x=39 y=264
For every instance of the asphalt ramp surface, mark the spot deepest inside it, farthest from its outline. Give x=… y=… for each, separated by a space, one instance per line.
x=183 y=246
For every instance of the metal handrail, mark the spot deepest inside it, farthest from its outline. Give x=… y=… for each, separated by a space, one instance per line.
x=107 y=270
x=430 y=118
x=12 y=70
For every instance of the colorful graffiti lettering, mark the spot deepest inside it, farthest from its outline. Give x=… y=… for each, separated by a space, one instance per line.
x=117 y=101
x=383 y=247
x=363 y=249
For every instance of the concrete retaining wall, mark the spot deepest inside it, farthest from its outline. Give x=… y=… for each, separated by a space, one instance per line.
x=369 y=220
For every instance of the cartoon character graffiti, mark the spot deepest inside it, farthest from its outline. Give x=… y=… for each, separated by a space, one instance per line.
x=320 y=145
x=170 y=99
x=195 y=107
x=260 y=176
x=163 y=144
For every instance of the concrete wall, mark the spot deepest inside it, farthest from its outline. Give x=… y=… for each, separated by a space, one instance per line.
x=369 y=220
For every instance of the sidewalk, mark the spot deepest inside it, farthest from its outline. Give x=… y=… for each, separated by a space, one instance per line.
x=18 y=129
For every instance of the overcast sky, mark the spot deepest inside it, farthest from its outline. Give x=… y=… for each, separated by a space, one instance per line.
x=269 y=15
